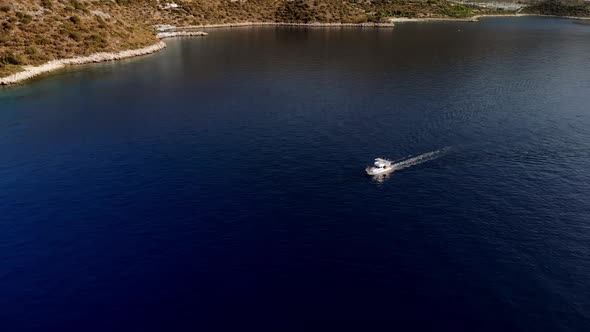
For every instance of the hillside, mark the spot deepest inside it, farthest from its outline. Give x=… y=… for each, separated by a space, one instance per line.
x=574 y=8
x=35 y=31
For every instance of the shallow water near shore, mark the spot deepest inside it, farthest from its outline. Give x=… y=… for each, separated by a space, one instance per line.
x=219 y=184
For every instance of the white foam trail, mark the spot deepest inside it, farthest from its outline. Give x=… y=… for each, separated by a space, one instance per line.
x=419 y=159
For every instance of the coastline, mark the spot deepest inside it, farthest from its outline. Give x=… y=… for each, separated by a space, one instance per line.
x=476 y=18
x=30 y=72
x=171 y=34
x=392 y=21
x=390 y=24
x=253 y=24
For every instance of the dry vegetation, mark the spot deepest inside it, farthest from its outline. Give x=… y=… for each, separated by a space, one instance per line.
x=35 y=31
x=561 y=8
x=196 y=12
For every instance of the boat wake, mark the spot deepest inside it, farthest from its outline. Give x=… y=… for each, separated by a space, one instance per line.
x=413 y=161
x=406 y=162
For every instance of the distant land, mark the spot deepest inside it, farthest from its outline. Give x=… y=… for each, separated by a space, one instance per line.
x=34 y=32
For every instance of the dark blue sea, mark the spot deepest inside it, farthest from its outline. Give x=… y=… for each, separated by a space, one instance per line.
x=219 y=185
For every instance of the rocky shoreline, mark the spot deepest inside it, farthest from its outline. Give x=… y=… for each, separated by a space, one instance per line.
x=30 y=72
x=171 y=34
x=313 y=24
x=34 y=71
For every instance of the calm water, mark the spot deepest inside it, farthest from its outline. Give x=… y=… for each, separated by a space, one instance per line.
x=219 y=184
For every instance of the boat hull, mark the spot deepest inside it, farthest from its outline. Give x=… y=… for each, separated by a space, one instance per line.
x=377 y=171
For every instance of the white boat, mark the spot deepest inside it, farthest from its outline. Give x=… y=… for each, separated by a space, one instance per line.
x=381 y=166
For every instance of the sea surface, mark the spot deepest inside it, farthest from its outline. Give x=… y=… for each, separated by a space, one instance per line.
x=219 y=184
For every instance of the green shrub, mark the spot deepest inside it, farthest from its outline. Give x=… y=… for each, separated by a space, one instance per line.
x=33 y=53
x=24 y=18
x=560 y=8
x=77 y=5
x=101 y=22
x=47 y=4
x=9 y=58
x=75 y=19
x=96 y=41
x=32 y=50
x=378 y=17
x=7 y=26
x=296 y=11
x=458 y=10
x=75 y=35
x=42 y=40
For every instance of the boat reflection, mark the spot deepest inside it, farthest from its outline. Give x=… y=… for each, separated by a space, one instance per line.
x=380 y=178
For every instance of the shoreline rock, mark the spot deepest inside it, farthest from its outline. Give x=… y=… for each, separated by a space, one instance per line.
x=169 y=31
x=171 y=34
x=251 y=24
x=30 y=72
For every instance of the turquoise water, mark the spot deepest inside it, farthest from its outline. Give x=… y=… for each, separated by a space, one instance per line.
x=219 y=184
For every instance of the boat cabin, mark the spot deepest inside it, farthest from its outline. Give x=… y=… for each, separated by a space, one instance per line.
x=382 y=163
